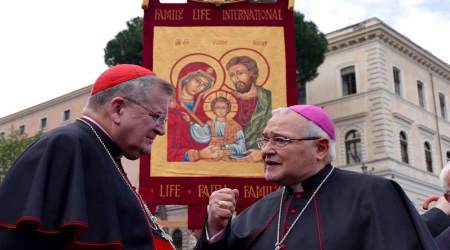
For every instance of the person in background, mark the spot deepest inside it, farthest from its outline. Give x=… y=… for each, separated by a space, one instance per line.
x=438 y=217
x=68 y=190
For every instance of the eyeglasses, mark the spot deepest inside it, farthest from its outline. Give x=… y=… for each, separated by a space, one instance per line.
x=159 y=118
x=279 y=141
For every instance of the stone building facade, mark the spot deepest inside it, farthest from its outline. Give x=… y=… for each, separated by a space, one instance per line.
x=389 y=100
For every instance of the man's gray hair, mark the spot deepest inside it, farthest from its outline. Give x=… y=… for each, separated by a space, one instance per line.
x=312 y=130
x=136 y=89
x=445 y=177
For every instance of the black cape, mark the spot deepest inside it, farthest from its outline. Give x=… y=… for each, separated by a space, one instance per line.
x=439 y=224
x=443 y=239
x=436 y=220
x=64 y=192
x=351 y=211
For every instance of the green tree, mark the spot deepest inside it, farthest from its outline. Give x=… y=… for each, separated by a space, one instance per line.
x=11 y=147
x=126 y=47
x=311 y=48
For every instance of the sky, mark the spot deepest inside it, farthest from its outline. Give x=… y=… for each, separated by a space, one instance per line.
x=49 y=48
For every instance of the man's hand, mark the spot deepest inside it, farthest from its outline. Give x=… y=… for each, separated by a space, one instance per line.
x=441 y=203
x=222 y=204
x=211 y=152
x=254 y=155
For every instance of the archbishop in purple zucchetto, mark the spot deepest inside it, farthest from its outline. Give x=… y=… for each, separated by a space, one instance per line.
x=318 y=206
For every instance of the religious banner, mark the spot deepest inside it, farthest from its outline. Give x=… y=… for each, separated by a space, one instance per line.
x=230 y=64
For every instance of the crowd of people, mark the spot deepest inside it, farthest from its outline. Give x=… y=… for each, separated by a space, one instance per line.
x=68 y=190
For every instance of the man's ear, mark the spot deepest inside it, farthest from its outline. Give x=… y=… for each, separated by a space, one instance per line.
x=322 y=148
x=447 y=196
x=115 y=109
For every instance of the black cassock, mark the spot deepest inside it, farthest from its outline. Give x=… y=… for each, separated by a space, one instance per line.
x=439 y=224
x=436 y=220
x=64 y=192
x=351 y=211
x=443 y=239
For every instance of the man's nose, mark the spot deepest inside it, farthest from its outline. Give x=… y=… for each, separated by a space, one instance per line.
x=160 y=128
x=268 y=149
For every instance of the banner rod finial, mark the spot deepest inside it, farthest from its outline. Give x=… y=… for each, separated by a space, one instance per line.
x=145 y=4
x=291 y=4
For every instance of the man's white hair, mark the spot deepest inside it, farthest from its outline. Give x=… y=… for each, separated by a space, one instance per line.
x=312 y=130
x=445 y=178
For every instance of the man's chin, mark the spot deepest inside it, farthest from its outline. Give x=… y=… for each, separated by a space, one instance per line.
x=242 y=91
x=137 y=154
x=271 y=178
x=132 y=156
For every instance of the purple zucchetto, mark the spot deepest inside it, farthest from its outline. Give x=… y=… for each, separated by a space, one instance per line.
x=318 y=116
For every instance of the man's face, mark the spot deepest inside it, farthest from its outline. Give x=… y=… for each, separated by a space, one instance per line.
x=138 y=125
x=293 y=163
x=196 y=85
x=220 y=109
x=241 y=77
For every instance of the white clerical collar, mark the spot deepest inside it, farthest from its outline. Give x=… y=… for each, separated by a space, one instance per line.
x=96 y=124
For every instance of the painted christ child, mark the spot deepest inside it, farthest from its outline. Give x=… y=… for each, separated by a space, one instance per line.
x=221 y=131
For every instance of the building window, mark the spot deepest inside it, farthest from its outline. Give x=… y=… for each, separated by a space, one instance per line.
x=2 y=135
x=21 y=129
x=428 y=157
x=448 y=156
x=397 y=81
x=443 y=106
x=404 y=147
x=421 y=94
x=43 y=123
x=353 y=147
x=348 y=80
x=177 y=238
x=66 y=115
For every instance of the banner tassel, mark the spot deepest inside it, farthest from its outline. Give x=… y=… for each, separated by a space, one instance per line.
x=145 y=4
x=291 y=4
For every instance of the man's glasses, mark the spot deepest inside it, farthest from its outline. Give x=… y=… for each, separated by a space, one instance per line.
x=279 y=141
x=158 y=118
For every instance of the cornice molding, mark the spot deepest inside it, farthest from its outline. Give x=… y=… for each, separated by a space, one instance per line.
x=426 y=129
x=445 y=138
x=351 y=117
x=375 y=30
x=403 y=118
x=46 y=104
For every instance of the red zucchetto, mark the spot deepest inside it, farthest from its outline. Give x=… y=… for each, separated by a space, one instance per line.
x=117 y=75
